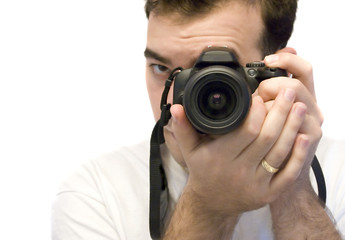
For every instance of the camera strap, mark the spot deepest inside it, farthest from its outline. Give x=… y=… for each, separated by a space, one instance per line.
x=320 y=180
x=159 y=192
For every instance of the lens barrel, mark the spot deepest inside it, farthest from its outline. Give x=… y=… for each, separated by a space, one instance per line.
x=216 y=99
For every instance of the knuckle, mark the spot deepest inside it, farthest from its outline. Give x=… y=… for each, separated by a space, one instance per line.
x=318 y=133
x=296 y=84
x=308 y=68
x=281 y=155
x=264 y=88
x=242 y=172
x=263 y=85
x=267 y=137
x=253 y=129
x=320 y=116
x=290 y=179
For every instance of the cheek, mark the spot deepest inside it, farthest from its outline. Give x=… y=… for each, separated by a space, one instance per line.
x=154 y=91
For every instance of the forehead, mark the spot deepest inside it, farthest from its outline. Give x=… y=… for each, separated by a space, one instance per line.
x=235 y=26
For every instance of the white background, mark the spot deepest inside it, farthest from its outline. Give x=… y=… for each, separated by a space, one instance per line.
x=72 y=86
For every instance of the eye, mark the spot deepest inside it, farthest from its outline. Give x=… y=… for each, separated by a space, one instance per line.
x=160 y=69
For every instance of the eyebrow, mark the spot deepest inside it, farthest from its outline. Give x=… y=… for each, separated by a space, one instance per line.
x=148 y=53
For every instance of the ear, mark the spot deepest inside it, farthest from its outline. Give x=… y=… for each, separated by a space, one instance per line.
x=287 y=50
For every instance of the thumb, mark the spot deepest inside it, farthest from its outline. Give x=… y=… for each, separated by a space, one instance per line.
x=186 y=136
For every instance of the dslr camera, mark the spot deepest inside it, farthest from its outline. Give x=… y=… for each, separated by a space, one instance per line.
x=216 y=92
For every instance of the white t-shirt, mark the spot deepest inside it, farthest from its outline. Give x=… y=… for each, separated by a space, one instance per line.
x=108 y=197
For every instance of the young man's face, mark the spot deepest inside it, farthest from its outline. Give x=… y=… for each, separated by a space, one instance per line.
x=171 y=44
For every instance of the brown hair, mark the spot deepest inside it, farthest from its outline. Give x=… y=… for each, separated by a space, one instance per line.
x=278 y=16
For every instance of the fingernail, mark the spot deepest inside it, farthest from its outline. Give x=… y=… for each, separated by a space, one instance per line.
x=271 y=58
x=301 y=111
x=289 y=94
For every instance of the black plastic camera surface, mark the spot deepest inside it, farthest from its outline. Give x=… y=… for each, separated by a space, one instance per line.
x=216 y=92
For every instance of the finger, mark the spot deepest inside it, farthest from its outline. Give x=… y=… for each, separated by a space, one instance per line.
x=269 y=89
x=298 y=67
x=311 y=125
x=288 y=175
x=186 y=136
x=239 y=139
x=288 y=50
x=273 y=125
x=269 y=105
x=282 y=148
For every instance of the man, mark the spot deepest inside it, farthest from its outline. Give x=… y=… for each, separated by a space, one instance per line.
x=251 y=183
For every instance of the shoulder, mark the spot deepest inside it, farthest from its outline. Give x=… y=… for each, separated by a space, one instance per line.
x=125 y=165
x=117 y=165
x=106 y=195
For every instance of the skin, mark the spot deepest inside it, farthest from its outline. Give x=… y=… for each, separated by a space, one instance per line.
x=283 y=127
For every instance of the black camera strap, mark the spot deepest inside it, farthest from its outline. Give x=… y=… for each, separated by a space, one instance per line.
x=159 y=194
x=320 y=180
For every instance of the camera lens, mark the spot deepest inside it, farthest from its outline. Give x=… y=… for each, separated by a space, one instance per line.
x=216 y=100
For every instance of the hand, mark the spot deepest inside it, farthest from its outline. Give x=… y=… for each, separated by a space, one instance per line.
x=292 y=210
x=225 y=171
x=303 y=84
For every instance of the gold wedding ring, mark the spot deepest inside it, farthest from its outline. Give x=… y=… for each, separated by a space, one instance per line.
x=268 y=167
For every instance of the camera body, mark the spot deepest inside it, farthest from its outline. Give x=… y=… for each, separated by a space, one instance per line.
x=216 y=92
